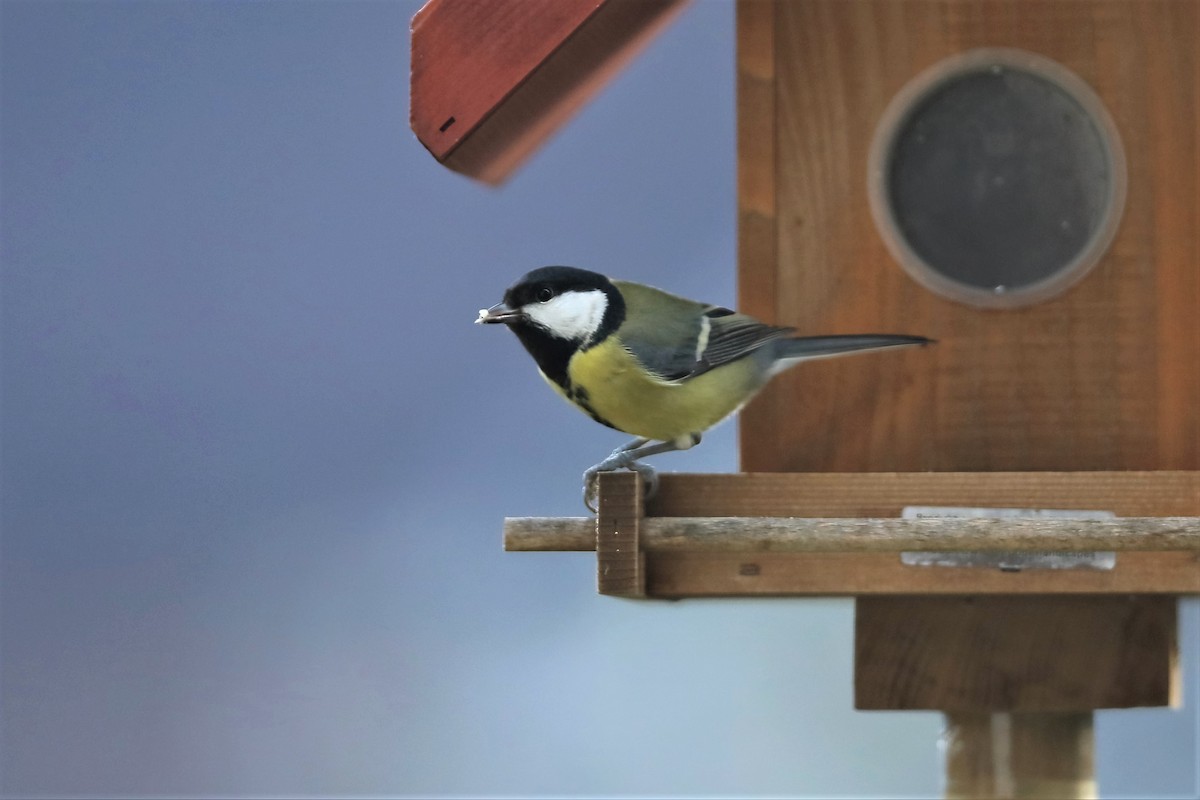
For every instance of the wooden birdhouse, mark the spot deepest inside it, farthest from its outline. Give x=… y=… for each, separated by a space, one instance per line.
x=1017 y=509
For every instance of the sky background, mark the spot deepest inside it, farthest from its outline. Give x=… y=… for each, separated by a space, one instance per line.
x=255 y=456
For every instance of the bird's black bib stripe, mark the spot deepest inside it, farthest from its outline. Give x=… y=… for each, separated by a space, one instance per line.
x=579 y=396
x=553 y=356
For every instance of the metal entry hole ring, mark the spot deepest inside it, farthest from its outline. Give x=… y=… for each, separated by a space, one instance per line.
x=997 y=178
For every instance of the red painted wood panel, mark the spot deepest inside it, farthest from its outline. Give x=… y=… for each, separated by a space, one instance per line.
x=468 y=55
x=493 y=79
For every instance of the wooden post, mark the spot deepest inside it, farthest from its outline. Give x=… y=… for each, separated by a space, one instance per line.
x=991 y=755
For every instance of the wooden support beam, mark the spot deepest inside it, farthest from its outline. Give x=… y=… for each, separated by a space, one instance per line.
x=493 y=79
x=983 y=654
x=620 y=561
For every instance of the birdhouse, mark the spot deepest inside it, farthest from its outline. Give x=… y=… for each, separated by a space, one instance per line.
x=1017 y=509
x=1020 y=181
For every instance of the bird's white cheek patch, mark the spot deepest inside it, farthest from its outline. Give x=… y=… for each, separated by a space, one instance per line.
x=570 y=315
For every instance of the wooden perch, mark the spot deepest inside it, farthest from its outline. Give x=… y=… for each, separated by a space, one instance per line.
x=842 y=534
x=833 y=535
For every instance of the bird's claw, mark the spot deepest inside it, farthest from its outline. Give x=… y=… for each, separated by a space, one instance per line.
x=591 y=483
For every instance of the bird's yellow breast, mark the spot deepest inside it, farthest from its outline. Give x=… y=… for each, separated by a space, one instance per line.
x=609 y=383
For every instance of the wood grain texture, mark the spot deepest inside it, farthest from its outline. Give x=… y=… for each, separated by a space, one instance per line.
x=885 y=494
x=756 y=152
x=620 y=562
x=1020 y=755
x=678 y=574
x=1016 y=653
x=868 y=535
x=1104 y=377
x=493 y=79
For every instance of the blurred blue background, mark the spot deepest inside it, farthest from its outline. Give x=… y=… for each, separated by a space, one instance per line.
x=256 y=456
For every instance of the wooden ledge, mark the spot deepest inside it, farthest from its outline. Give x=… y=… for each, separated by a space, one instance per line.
x=841 y=534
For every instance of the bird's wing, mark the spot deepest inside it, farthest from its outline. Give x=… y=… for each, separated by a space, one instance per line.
x=676 y=339
x=733 y=336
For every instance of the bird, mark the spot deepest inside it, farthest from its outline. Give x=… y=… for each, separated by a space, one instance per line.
x=651 y=364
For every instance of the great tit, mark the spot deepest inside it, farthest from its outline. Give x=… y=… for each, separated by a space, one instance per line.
x=657 y=366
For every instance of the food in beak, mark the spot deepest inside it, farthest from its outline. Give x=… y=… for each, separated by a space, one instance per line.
x=498 y=313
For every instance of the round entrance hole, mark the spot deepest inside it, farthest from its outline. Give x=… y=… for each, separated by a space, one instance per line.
x=997 y=178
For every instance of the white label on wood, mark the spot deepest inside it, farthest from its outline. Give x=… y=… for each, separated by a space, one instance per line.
x=1008 y=561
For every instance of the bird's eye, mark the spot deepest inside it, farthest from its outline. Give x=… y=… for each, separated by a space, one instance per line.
x=544 y=294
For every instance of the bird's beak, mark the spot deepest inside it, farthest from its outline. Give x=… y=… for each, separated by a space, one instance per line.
x=498 y=314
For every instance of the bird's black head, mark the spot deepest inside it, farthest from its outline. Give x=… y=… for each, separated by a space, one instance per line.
x=556 y=311
x=563 y=302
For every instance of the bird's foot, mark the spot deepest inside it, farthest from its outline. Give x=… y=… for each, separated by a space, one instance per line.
x=620 y=459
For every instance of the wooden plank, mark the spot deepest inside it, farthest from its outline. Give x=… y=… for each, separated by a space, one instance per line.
x=1016 y=653
x=768 y=574
x=756 y=155
x=620 y=562
x=834 y=535
x=885 y=494
x=756 y=134
x=493 y=79
x=1020 y=755
x=1105 y=377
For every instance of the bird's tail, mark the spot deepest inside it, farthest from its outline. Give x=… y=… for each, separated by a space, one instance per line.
x=788 y=352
